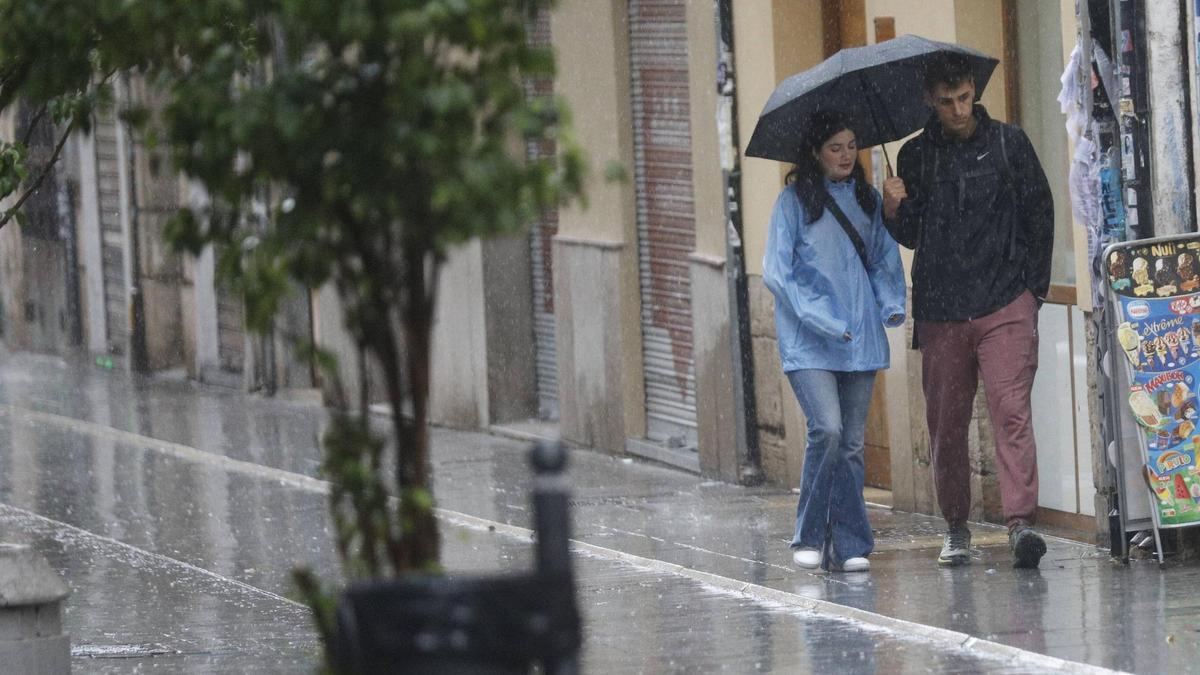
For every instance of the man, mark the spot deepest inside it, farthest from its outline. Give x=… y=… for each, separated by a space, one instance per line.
x=973 y=201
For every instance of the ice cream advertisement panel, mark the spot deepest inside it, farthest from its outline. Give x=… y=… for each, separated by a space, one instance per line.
x=1158 y=331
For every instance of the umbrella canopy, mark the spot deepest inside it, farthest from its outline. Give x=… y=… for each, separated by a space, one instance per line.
x=879 y=88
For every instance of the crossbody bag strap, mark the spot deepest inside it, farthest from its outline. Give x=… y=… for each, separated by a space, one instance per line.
x=850 y=231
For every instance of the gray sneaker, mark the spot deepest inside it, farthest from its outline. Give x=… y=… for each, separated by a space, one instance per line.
x=1027 y=546
x=956 y=547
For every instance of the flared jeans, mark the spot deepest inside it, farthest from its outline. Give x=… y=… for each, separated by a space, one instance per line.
x=831 y=515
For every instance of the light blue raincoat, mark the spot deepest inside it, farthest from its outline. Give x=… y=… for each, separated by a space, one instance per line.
x=822 y=290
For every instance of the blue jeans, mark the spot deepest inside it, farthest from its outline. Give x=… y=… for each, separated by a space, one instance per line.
x=831 y=515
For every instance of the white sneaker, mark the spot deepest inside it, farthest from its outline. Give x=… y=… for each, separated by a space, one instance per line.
x=856 y=565
x=808 y=558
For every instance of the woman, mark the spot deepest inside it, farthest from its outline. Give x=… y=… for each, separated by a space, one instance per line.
x=831 y=305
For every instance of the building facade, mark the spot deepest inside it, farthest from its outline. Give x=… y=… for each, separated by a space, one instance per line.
x=639 y=324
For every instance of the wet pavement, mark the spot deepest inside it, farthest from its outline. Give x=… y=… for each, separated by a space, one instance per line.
x=175 y=512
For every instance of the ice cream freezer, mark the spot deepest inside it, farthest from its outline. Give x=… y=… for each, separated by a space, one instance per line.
x=1151 y=365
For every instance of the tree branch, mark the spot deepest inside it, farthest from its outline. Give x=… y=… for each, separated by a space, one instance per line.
x=11 y=212
x=33 y=125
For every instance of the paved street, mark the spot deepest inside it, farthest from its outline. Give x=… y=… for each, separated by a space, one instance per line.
x=175 y=512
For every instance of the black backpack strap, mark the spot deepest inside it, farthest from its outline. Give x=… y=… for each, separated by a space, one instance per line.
x=929 y=170
x=929 y=176
x=1010 y=184
x=850 y=231
x=1005 y=168
x=1003 y=147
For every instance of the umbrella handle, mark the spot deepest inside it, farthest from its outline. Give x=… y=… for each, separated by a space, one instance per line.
x=888 y=161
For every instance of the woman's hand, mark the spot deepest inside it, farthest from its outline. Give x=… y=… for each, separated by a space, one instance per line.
x=894 y=192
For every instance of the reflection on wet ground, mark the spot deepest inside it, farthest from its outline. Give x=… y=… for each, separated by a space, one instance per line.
x=182 y=566
x=186 y=554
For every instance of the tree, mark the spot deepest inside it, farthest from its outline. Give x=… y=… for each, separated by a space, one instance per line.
x=377 y=132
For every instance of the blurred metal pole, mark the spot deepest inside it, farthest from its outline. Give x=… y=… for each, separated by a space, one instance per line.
x=138 y=357
x=552 y=522
x=32 y=640
x=745 y=401
x=1192 y=37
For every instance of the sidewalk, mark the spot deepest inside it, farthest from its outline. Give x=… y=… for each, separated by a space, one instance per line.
x=1079 y=606
x=210 y=497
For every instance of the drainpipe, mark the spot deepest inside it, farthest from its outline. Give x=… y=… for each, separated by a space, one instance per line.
x=1192 y=36
x=1095 y=22
x=67 y=233
x=139 y=361
x=746 y=409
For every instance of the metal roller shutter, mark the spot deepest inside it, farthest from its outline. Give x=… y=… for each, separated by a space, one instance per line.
x=666 y=227
x=540 y=242
x=112 y=238
x=231 y=335
x=543 y=315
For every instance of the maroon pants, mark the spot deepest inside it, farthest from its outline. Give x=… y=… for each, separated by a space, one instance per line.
x=1002 y=347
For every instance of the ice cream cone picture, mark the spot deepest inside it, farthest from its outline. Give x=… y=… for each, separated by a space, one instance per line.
x=1144 y=408
x=1172 y=340
x=1160 y=350
x=1185 y=340
x=1141 y=278
x=1148 y=352
x=1131 y=342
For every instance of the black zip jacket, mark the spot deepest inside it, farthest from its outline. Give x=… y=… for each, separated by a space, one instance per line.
x=980 y=216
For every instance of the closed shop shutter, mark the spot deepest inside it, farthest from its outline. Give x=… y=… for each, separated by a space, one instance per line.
x=666 y=228
x=541 y=246
x=231 y=336
x=540 y=242
x=112 y=238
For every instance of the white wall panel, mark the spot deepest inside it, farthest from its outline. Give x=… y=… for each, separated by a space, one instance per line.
x=1053 y=425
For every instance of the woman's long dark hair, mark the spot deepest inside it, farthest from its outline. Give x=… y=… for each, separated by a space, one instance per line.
x=808 y=177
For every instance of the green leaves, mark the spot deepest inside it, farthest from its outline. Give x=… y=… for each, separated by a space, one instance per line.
x=349 y=143
x=12 y=167
x=184 y=230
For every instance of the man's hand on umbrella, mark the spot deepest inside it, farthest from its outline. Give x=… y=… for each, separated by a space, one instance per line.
x=893 y=193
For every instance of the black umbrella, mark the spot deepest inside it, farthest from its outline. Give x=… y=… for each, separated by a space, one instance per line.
x=879 y=88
